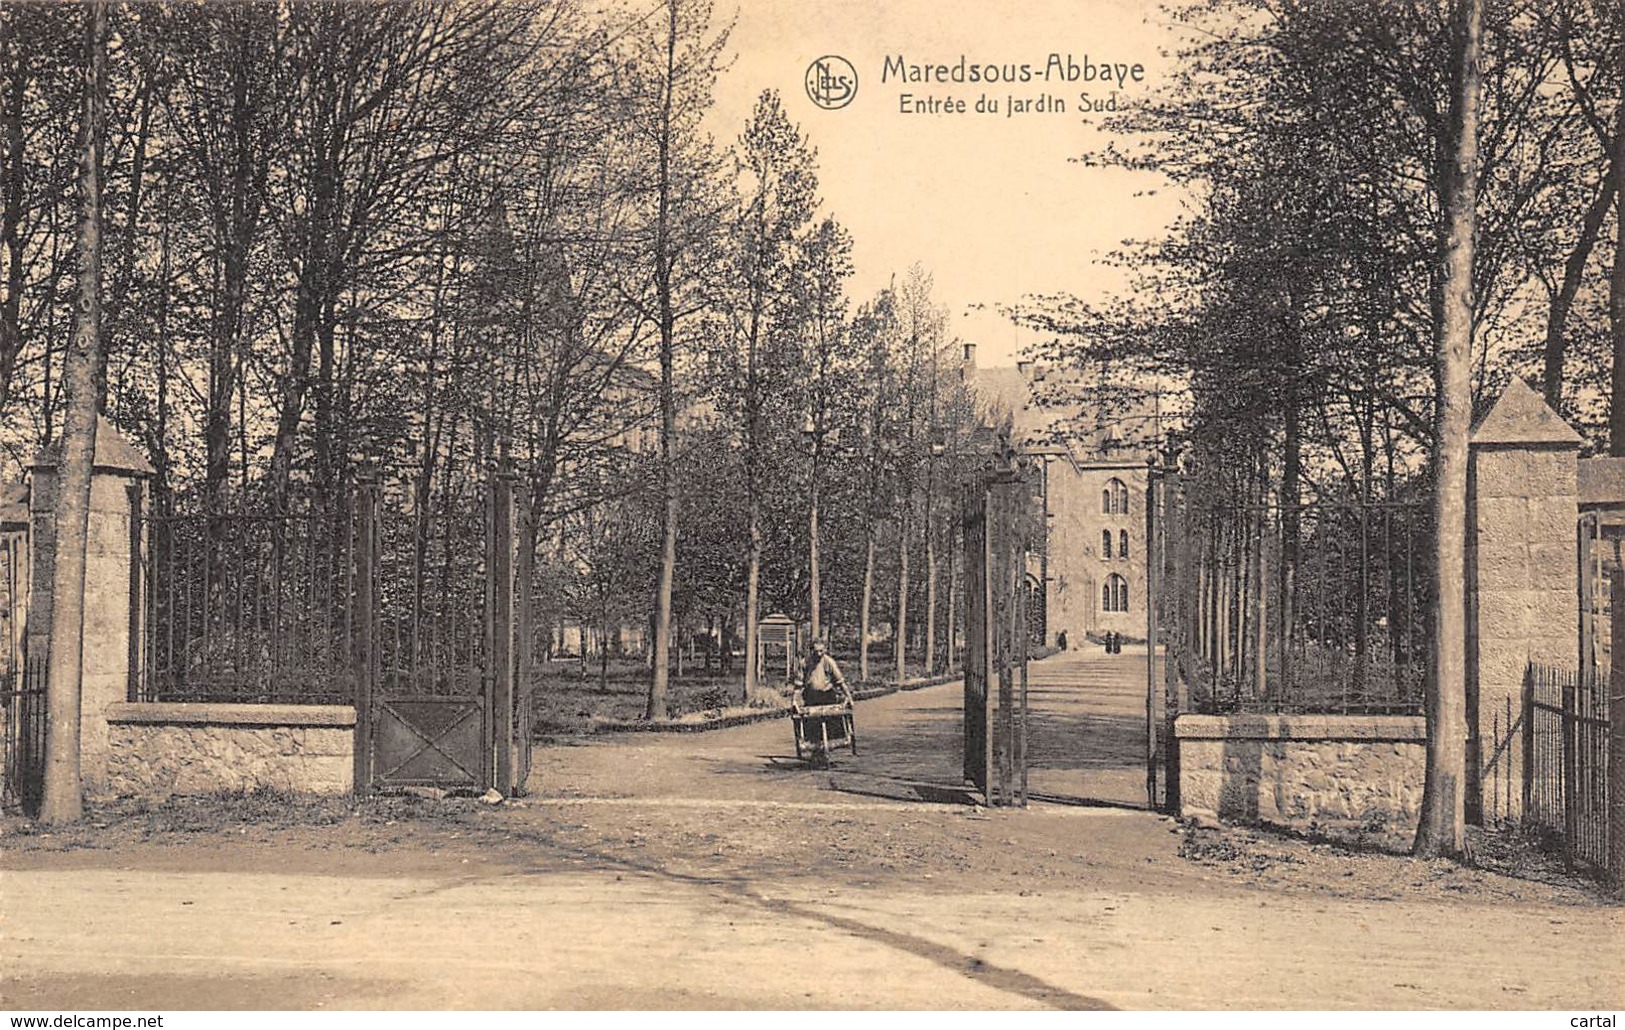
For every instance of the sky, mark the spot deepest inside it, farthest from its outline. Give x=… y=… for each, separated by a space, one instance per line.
x=990 y=203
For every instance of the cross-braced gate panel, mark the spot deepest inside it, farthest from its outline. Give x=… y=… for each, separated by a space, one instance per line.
x=429 y=741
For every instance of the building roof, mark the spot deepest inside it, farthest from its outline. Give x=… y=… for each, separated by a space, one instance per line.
x=1086 y=438
x=113 y=453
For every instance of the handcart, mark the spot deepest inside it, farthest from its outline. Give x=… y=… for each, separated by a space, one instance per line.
x=819 y=729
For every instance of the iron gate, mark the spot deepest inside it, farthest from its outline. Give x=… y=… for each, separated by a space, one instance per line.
x=978 y=647
x=1566 y=730
x=441 y=666
x=997 y=541
x=415 y=619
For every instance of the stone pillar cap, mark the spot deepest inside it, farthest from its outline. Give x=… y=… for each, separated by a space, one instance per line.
x=1520 y=417
x=114 y=453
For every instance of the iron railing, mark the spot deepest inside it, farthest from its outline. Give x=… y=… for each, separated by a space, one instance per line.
x=433 y=594
x=1565 y=769
x=243 y=607
x=1322 y=607
x=22 y=705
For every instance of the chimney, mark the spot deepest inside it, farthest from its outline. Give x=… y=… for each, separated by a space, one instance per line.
x=970 y=355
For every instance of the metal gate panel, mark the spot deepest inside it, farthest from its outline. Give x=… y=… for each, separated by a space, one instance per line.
x=429 y=742
x=445 y=670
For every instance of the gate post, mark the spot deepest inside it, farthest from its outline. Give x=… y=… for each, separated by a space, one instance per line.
x=1153 y=556
x=1527 y=710
x=134 y=679
x=523 y=636
x=1571 y=774
x=501 y=572
x=363 y=592
x=978 y=767
x=1523 y=504
x=111 y=549
x=1616 y=730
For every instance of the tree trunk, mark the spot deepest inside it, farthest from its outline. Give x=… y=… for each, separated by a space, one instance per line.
x=660 y=675
x=930 y=598
x=1442 y=830
x=813 y=574
x=902 y=597
x=296 y=380
x=603 y=651
x=235 y=220
x=950 y=660
x=1563 y=301
x=63 y=789
x=1291 y=497
x=753 y=584
x=14 y=139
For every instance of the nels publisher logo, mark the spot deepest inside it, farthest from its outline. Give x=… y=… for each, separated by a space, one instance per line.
x=832 y=82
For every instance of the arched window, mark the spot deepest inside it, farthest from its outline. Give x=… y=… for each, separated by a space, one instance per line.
x=1105 y=543
x=1122 y=543
x=1114 y=499
x=1114 y=595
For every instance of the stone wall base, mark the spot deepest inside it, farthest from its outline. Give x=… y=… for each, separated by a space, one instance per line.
x=159 y=750
x=1343 y=776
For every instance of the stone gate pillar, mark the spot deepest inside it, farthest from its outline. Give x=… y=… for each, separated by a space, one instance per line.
x=108 y=597
x=1522 y=604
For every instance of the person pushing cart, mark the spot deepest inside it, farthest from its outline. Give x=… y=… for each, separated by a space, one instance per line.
x=822 y=711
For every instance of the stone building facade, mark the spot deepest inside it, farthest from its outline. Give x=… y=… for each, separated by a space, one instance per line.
x=1092 y=565
x=1095 y=576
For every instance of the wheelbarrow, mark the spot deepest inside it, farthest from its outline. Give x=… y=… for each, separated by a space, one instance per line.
x=821 y=728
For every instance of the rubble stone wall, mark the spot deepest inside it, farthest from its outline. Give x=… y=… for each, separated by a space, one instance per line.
x=158 y=750
x=1337 y=775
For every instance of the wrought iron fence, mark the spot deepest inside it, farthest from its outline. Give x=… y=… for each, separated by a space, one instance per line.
x=1321 y=607
x=245 y=607
x=1565 y=769
x=22 y=699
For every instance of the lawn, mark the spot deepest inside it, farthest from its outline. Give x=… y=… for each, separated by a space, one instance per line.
x=571 y=697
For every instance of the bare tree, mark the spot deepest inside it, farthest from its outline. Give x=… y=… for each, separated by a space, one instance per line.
x=675 y=60
x=779 y=200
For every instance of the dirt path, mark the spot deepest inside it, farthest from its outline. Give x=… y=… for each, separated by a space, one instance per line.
x=1087 y=745
x=710 y=871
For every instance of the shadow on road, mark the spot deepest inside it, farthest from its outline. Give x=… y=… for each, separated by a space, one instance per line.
x=1001 y=978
